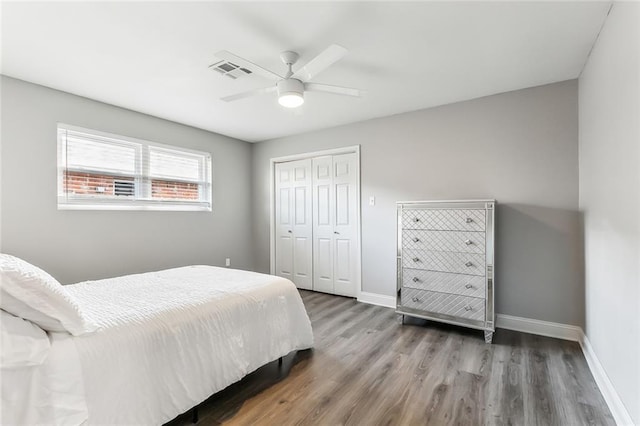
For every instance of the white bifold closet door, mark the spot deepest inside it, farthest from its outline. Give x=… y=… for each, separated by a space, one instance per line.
x=293 y=222
x=335 y=255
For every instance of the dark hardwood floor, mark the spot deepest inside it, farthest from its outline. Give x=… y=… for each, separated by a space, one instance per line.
x=369 y=369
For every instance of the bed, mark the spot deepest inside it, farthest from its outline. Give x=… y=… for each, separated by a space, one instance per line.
x=157 y=345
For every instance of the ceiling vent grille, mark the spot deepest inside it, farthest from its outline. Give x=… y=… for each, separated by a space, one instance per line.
x=229 y=69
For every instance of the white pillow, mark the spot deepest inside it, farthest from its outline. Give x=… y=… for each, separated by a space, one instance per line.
x=23 y=343
x=28 y=292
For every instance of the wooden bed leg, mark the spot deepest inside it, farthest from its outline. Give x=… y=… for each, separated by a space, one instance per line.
x=280 y=362
x=194 y=418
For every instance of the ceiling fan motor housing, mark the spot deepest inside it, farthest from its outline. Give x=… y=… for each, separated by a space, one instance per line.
x=290 y=86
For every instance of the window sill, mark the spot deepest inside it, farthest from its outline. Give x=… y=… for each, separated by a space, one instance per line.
x=147 y=207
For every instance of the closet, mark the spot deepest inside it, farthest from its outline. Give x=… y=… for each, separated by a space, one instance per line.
x=316 y=210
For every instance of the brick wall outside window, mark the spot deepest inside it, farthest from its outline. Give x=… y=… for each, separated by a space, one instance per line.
x=174 y=190
x=80 y=183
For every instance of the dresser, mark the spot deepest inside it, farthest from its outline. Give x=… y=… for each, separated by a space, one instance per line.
x=445 y=262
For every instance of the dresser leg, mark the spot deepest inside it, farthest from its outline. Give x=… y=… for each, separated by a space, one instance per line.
x=488 y=336
x=403 y=320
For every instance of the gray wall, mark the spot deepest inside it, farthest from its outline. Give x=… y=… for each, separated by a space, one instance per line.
x=520 y=148
x=81 y=245
x=610 y=199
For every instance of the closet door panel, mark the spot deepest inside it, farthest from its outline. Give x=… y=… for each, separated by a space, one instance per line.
x=343 y=204
x=323 y=266
x=343 y=267
x=282 y=213
x=323 y=218
x=284 y=231
x=345 y=230
x=302 y=225
x=300 y=203
x=284 y=260
x=323 y=206
x=293 y=222
x=300 y=258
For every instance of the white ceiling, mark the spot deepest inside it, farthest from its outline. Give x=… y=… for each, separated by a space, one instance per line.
x=153 y=57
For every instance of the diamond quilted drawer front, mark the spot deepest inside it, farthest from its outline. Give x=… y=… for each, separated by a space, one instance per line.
x=461 y=263
x=464 y=285
x=459 y=241
x=444 y=219
x=442 y=303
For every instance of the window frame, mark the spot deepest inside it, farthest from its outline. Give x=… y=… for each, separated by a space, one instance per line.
x=141 y=200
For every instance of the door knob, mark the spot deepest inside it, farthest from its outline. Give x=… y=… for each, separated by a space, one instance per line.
x=290 y=231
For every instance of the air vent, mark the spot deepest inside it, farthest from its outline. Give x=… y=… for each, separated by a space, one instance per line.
x=230 y=69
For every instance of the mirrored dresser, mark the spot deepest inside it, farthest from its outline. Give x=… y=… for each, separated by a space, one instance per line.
x=445 y=263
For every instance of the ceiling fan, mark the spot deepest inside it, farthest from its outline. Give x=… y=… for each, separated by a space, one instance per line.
x=292 y=86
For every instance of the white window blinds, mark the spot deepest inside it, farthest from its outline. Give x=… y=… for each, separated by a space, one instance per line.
x=103 y=171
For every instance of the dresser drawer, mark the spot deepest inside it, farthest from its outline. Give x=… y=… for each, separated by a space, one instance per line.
x=444 y=219
x=442 y=303
x=458 y=241
x=460 y=263
x=462 y=284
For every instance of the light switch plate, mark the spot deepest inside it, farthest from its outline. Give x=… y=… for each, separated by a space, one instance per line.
x=372 y=201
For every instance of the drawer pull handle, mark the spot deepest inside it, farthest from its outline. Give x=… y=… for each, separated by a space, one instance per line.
x=415 y=299
x=468 y=242
x=415 y=240
x=468 y=264
x=469 y=220
x=415 y=259
x=469 y=286
x=416 y=279
x=416 y=219
x=468 y=308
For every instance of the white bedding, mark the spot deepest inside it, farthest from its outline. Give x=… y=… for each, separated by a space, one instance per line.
x=170 y=339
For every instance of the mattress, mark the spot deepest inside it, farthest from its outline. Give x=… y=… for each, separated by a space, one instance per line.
x=168 y=340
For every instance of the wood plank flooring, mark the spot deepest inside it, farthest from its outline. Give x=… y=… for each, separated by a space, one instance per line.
x=369 y=369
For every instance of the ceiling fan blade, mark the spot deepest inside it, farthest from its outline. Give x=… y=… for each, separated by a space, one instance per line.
x=244 y=63
x=321 y=62
x=316 y=87
x=254 y=92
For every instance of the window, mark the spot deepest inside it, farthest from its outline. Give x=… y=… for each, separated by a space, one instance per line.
x=103 y=171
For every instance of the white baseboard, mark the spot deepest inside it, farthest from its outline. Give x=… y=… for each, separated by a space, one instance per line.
x=573 y=333
x=616 y=406
x=377 y=299
x=541 y=328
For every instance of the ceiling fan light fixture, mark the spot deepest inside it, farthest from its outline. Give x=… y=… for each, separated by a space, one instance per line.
x=290 y=93
x=291 y=100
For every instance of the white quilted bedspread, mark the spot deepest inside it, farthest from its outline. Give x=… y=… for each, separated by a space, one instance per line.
x=170 y=339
